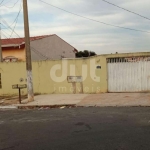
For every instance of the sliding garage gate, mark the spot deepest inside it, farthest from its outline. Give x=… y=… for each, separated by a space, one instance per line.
x=129 y=74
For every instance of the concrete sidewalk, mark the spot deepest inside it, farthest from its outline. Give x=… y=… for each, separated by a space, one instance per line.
x=54 y=100
x=116 y=99
x=85 y=100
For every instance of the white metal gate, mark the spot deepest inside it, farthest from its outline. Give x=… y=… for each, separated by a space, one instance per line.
x=128 y=75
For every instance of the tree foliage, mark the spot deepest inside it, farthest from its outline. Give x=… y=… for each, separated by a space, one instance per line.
x=85 y=53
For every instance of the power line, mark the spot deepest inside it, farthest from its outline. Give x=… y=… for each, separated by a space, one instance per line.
x=40 y=54
x=10 y=6
x=1 y=2
x=13 y=31
x=9 y=27
x=32 y=48
x=5 y=3
x=13 y=21
x=16 y=20
x=126 y=10
x=95 y=20
x=4 y=31
x=4 y=34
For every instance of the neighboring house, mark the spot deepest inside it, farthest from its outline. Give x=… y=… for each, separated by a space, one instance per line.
x=42 y=48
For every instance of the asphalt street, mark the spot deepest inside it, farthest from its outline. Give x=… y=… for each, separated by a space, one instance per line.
x=91 y=128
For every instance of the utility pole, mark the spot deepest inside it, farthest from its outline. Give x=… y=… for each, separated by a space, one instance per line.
x=28 y=52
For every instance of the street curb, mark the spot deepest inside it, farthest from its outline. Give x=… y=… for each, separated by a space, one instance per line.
x=57 y=106
x=46 y=106
x=8 y=107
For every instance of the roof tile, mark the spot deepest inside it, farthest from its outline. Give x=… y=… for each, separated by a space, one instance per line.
x=21 y=40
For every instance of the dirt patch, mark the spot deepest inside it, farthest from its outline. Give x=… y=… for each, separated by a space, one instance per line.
x=9 y=100
x=47 y=107
x=127 y=97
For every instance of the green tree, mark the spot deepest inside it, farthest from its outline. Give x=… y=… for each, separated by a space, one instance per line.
x=85 y=53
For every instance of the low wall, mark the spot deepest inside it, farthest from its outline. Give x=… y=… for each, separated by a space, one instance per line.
x=50 y=77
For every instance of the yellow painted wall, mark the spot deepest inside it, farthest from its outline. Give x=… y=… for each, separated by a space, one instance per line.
x=11 y=73
x=45 y=84
x=18 y=53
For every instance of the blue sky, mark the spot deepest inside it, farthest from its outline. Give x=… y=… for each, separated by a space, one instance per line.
x=81 y=33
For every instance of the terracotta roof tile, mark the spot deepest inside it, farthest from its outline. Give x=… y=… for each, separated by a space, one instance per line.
x=21 y=40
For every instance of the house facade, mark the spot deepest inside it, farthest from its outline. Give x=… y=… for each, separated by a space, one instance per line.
x=47 y=47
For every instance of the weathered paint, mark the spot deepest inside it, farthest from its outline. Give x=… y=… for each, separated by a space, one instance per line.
x=11 y=73
x=30 y=86
x=16 y=52
x=129 y=76
x=45 y=84
x=51 y=47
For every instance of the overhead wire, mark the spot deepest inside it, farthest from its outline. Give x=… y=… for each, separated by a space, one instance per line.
x=32 y=48
x=13 y=31
x=126 y=10
x=126 y=28
x=40 y=54
x=5 y=32
x=16 y=20
x=9 y=27
x=12 y=5
x=1 y=2
x=9 y=6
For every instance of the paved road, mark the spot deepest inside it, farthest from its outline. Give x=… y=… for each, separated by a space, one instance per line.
x=76 y=129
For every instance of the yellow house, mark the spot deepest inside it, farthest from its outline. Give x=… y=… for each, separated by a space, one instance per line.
x=13 y=52
x=42 y=48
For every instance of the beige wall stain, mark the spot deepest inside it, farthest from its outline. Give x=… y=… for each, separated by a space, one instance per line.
x=11 y=73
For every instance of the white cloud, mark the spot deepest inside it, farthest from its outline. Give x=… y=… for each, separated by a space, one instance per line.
x=85 y=34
